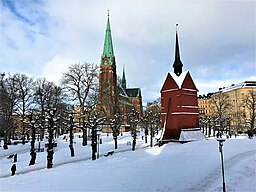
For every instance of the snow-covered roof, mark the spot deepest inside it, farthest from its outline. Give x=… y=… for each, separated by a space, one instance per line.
x=179 y=79
x=239 y=85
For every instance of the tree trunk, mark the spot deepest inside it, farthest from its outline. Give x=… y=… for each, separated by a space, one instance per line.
x=151 y=136
x=5 y=146
x=94 y=144
x=134 y=139
x=72 y=152
x=84 y=136
x=115 y=139
x=209 y=132
x=50 y=150
x=146 y=135
x=23 y=134
x=32 y=150
x=133 y=144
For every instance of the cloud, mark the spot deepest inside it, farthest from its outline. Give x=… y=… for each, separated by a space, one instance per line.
x=214 y=85
x=217 y=39
x=53 y=69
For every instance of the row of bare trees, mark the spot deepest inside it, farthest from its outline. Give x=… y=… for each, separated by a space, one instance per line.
x=240 y=115
x=20 y=94
x=76 y=95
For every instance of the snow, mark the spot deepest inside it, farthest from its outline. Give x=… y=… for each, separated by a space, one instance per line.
x=179 y=79
x=193 y=134
x=194 y=166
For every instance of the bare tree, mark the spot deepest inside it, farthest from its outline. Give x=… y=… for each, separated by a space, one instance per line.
x=250 y=104
x=115 y=124
x=25 y=98
x=80 y=80
x=221 y=105
x=9 y=98
x=4 y=100
x=134 y=121
x=47 y=95
x=43 y=93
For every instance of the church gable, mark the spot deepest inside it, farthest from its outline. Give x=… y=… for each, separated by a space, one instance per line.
x=133 y=92
x=169 y=83
x=188 y=83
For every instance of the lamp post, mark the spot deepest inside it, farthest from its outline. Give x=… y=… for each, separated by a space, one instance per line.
x=221 y=141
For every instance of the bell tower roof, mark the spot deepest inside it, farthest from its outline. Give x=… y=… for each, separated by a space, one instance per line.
x=177 y=65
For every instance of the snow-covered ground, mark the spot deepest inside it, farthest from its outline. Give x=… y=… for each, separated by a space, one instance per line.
x=193 y=166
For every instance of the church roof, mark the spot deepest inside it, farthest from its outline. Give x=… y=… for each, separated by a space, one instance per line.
x=173 y=82
x=133 y=92
x=121 y=91
x=108 y=50
x=179 y=79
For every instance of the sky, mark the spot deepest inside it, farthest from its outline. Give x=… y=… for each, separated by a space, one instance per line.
x=41 y=38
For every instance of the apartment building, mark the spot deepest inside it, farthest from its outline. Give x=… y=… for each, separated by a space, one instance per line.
x=236 y=96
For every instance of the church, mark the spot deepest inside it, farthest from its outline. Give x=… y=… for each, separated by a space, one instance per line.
x=115 y=98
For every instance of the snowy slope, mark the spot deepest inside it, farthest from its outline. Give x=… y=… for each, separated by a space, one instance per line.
x=192 y=166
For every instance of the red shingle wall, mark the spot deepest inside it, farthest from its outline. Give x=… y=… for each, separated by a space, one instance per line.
x=183 y=112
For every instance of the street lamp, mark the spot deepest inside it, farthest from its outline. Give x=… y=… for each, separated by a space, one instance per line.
x=221 y=141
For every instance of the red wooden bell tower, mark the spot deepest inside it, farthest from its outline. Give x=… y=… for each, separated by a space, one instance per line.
x=178 y=101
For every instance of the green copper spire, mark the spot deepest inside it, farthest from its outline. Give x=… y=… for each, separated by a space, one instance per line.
x=108 y=45
x=123 y=80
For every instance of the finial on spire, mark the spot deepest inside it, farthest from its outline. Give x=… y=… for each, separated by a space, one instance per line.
x=108 y=12
x=177 y=27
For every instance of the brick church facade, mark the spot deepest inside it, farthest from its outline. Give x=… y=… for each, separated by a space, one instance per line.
x=115 y=98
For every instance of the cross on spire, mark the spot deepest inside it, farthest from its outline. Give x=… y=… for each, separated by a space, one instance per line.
x=108 y=12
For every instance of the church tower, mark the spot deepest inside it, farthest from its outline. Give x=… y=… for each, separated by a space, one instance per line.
x=108 y=78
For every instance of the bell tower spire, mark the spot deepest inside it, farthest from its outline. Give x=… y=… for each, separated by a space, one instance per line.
x=177 y=65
